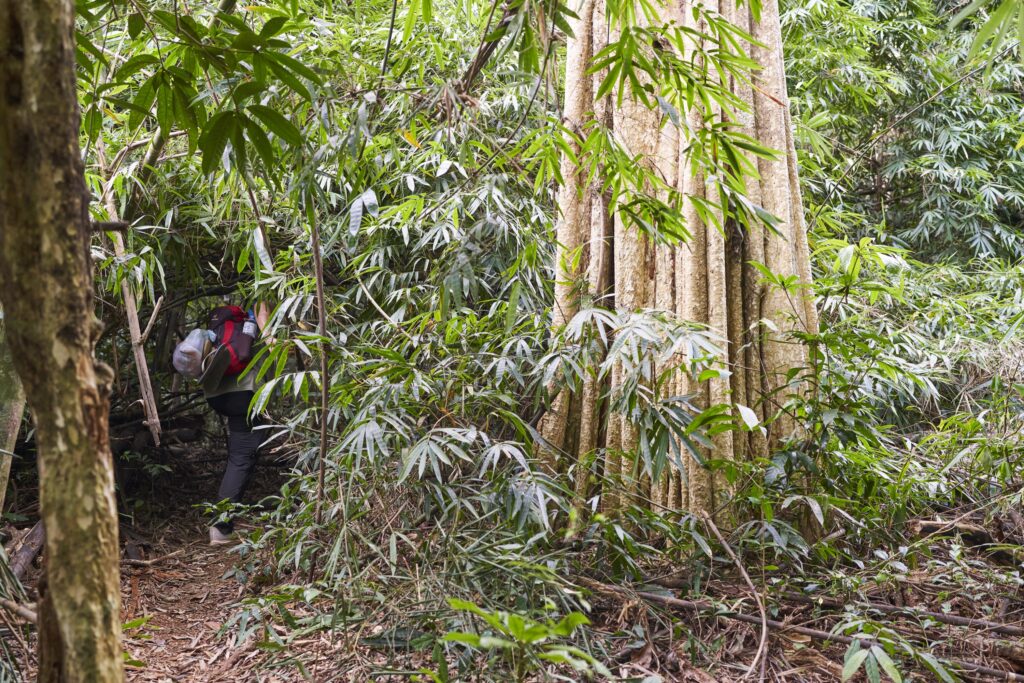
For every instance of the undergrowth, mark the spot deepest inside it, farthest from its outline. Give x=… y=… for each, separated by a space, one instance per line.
x=445 y=546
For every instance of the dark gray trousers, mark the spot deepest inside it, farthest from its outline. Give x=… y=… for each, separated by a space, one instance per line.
x=243 y=447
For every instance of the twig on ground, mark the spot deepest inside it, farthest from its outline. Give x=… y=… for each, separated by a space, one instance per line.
x=155 y=560
x=762 y=645
x=232 y=658
x=16 y=631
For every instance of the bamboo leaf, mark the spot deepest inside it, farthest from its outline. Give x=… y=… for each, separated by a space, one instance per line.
x=854 y=659
x=277 y=124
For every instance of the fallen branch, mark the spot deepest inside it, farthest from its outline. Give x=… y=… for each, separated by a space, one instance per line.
x=951 y=619
x=27 y=551
x=823 y=636
x=155 y=560
x=109 y=226
x=20 y=610
x=1005 y=649
x=974 y=533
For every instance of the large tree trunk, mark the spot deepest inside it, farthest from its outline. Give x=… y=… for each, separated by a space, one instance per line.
x=707 y=280
x=12 y=408
x=46 y=289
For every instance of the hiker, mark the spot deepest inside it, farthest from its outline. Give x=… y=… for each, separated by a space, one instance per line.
x=229 y=389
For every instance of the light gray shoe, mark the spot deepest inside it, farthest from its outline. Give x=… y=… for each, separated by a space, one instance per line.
x=218 y=537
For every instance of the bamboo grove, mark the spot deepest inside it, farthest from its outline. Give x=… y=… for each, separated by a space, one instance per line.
x=606 y=339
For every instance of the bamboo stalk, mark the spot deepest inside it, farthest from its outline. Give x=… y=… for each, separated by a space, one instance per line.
x=325 y=380
x=131 y=306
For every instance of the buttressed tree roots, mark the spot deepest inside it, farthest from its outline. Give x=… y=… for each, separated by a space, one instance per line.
x=706 y=280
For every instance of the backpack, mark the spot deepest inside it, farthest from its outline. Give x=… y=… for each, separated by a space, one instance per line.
x=233 y=330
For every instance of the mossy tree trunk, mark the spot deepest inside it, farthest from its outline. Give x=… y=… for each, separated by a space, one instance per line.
x=706 y=280
x=12 y=409
x=46 y=290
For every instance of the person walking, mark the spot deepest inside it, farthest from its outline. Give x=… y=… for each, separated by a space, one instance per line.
x=229 y=386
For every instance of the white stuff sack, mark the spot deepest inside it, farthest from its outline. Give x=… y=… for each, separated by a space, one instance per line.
x=188 y=354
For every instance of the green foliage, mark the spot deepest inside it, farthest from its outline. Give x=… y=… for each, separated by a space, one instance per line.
x=1006 y=16
x=432 y=193
x=526 y=642
x=903 y=137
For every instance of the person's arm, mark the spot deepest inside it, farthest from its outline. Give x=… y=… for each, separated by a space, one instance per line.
x=262 y=318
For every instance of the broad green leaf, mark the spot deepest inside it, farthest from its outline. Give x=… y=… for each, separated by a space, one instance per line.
x=871 y=670
x=470 y=639
x=277 y=124
x=888 y=666
x=238 y=148
x=135 y=25
x=936 y=667
x=286 y=76
x=165 y=107
x=215 y=138
x=135 y=64
x=749 y=417
x=273 y=26
x=853 y=663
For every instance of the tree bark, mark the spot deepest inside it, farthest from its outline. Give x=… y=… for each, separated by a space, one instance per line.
x=12 y=408
x=708 y=280
x=46 y=290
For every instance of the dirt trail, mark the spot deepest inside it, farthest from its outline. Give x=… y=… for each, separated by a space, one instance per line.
x=184 y=600
x=178 y=591
x=185 y=596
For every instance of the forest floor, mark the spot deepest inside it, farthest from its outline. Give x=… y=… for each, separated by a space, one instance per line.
x=179 y=604
x=178 y=591
x=181 y=598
